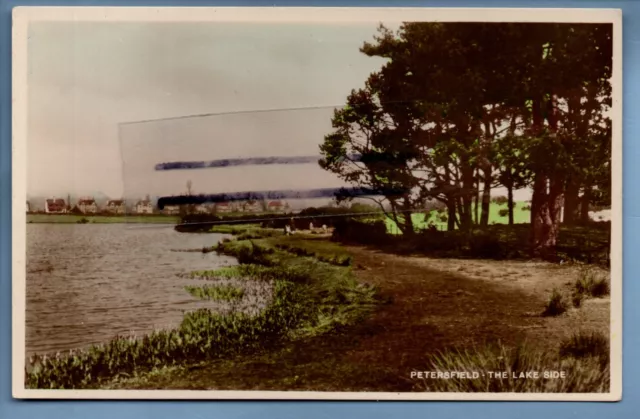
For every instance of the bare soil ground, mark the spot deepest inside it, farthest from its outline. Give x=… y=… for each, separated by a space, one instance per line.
x=434 y=305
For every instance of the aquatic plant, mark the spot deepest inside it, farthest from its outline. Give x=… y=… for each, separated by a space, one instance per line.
x=309 y=297
x=216 y=292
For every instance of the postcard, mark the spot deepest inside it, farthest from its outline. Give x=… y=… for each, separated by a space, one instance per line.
x=317 y=203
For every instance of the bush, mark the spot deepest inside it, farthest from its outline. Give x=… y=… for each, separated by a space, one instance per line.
x=556 y=305
x=350 y=230
x=592 y=283
x=576 y=299
x=500 y=200
x=503 y=212
x=488 y=245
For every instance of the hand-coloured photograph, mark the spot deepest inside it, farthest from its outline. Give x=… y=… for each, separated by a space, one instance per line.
x=317 y=203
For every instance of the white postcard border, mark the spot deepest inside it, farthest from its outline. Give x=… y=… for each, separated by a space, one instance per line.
x=23 y=15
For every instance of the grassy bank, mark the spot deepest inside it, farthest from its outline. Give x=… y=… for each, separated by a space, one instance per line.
x=100 y=219
x=310 y=297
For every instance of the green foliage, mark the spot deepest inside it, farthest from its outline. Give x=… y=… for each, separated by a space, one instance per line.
x=216 y=292
x=503 y=212
x=320 y=249
x=436 y=105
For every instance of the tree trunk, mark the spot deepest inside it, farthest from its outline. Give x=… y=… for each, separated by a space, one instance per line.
x=476 y=205
x=510 y=203
x=584 y=206
x=546 y=204
x=466 y=221
x=451 y=215
x=408 y=229
x=548 y=195
x=486 y=197
x=571 y=202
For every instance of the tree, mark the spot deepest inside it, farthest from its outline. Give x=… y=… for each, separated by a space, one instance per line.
x=568 y=70
x=460 y=104
x=511 y=160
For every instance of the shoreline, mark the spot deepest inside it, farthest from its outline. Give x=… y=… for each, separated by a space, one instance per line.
x=101 y=219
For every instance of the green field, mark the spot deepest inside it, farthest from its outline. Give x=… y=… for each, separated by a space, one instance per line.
x=420 y=221
x=101 y=219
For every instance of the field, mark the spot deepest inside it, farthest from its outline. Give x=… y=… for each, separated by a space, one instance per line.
x=420 y=221
x=101 y=219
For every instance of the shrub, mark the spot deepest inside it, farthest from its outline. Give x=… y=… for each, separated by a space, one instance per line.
x=486 y=244
x=503 y=212
x=500 y=200
x=592 y=283
x=350 y=230
x=556 y=305
x=443 y=218
x=526 y=208
x=439 y=241
x=576 y=299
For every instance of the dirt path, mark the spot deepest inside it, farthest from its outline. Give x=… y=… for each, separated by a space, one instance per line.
x=447 y=303
x=435 y=304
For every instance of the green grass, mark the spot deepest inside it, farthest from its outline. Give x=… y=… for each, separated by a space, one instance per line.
x=101 y=219
x=586 y=367
x=216 y=292
x=421 y=221
x=319 y=248
x=331 y=292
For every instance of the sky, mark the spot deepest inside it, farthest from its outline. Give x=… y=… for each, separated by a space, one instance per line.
x=88 y=81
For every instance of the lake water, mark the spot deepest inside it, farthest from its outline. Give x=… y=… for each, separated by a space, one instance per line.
x=87 y=283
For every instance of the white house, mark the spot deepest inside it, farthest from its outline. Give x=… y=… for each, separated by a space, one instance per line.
x=144 y=207
x=116 y=206
x=87 y=206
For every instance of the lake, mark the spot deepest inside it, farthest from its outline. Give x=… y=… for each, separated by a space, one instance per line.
x=87 y=283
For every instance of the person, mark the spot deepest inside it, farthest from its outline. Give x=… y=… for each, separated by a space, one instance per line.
x=287 y=230
x=311 y=226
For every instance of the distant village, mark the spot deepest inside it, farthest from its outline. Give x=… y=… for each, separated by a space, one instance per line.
x=89 y=206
